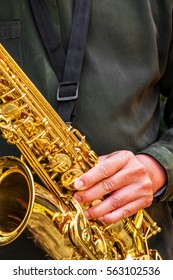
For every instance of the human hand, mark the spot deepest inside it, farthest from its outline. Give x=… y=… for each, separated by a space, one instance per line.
x=123 y=182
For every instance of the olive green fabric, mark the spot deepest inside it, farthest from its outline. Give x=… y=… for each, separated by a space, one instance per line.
x=127 y=64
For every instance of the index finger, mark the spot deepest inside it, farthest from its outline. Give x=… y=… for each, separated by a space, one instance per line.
x=102 y=170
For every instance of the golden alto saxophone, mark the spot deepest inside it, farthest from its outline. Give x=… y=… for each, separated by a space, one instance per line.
x=58 y=154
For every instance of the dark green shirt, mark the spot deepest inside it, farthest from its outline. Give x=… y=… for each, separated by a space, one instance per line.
x=128 y=63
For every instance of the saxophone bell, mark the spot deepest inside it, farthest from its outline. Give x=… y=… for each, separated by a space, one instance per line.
x=26 y=205
x=16 y=198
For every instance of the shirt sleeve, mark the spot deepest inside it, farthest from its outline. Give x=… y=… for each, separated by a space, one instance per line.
x=162 y=150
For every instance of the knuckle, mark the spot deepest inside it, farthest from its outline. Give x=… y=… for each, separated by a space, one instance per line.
x=147 y=185
x=147 y=202
x=126 y=213
x=141 y=169
x=128 y=154
x=104 y=169
x=108 y=186
x=115 y=202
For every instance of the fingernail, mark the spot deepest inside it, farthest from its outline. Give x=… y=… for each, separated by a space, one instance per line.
x=78 y=184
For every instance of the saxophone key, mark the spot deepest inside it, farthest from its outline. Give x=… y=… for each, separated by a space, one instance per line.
x=60 y=163
x=69 y=177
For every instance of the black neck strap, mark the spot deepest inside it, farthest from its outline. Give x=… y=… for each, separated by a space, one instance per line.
x=66 y=67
